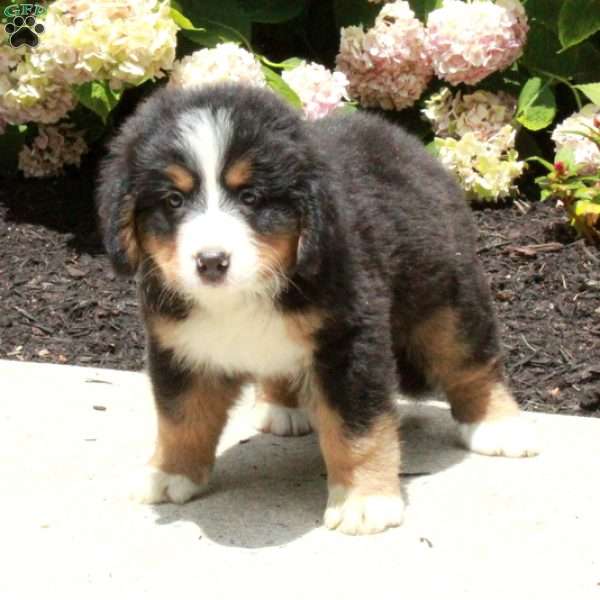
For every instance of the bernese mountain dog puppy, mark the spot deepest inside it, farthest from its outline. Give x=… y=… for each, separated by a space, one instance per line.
x=331 y=263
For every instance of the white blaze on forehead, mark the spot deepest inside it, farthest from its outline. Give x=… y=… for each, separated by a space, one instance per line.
x=206 y=135
x=216 y=225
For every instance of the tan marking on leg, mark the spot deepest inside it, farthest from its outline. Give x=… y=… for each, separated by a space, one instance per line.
x=181 y=177
x=438 y=344
x=187 y=441
x=362 y=473
x=277 y=408
x=476 y=392
x=238 y=174
x=280 y=391
x=369 y=464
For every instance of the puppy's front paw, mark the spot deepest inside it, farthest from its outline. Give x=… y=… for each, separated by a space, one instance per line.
x=280 y=420
x=155 y=486
x=353 y=513
x=512 y=436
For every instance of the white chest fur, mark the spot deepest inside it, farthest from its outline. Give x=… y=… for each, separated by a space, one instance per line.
x=249 y=338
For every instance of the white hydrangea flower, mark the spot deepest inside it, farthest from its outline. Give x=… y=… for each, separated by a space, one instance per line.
x=319 y=90
x=224 y=62
x=566 y=135
x=482 y=113
x=113 y=40
x=10 y=57
x=467 y=41
x=28 y=95
x=486 y=169
x=83 y=41
x=52 y=149
x=387 y=66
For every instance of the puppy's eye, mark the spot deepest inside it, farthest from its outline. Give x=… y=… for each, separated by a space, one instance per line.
x=174 y=200
x=249 y=197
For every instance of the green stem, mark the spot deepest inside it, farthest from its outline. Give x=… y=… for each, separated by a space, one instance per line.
x=554 y=77
x=269 y=63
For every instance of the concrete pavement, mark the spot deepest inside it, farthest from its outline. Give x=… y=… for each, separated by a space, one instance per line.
x=72 y=440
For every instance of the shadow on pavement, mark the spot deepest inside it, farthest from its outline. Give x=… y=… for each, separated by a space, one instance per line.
x=267 y=491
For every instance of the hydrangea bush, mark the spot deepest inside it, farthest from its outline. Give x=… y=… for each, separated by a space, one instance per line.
x=494 y=87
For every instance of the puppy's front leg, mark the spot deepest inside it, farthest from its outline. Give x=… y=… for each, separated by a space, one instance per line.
x=358 y=435
x=192 y=410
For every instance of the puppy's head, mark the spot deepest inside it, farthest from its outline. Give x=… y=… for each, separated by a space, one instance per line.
x=217 y=189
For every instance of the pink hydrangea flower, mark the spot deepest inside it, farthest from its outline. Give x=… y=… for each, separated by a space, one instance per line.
x=387 y=66
x=569 y=134
x=319 y=90
x=55 y=147
x=468 y=41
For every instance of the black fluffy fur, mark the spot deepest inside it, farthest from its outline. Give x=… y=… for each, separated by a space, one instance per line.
x=387 y=237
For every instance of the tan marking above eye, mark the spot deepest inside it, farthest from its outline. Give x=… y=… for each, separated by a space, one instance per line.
x=238 y=174
x=181 y=177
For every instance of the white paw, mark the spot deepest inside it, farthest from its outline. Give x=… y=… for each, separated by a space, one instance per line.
x=280 y=420
x=156 y=486
x=511 y=436
x=350 y=512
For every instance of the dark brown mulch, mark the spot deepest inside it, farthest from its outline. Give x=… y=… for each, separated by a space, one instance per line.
x=60 y=302
x=59 y=299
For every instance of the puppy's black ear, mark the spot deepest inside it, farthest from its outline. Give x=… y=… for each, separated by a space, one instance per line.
x=308 y=259
x=115 y=205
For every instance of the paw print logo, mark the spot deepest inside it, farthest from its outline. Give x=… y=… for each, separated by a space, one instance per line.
x=24 y=31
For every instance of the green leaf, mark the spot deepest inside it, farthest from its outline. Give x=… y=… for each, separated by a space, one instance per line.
x=181 y=20
x=345 y=109
x=355 y=12
x=433 y=148
x=587 y=207
x=591 y=90
x=540 y=160
x=272 y=11
x=278 y=85
x=11 y=142
x=98 y=97
x=578 y=20
x=588 y=59
x=536 y=107
x=542 y=52
x=544 y=11
x=215 y=22
x=566 y=156
x=291 y=63
x=422 y=8
x=286 y=65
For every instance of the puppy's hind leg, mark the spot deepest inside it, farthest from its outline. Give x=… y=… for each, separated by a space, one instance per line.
x=276 y=408
x=464 y=359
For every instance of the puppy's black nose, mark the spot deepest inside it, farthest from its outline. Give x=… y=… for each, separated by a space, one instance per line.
x=212 y=265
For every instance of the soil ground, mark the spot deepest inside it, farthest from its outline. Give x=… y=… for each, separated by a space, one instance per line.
x=60 y=301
